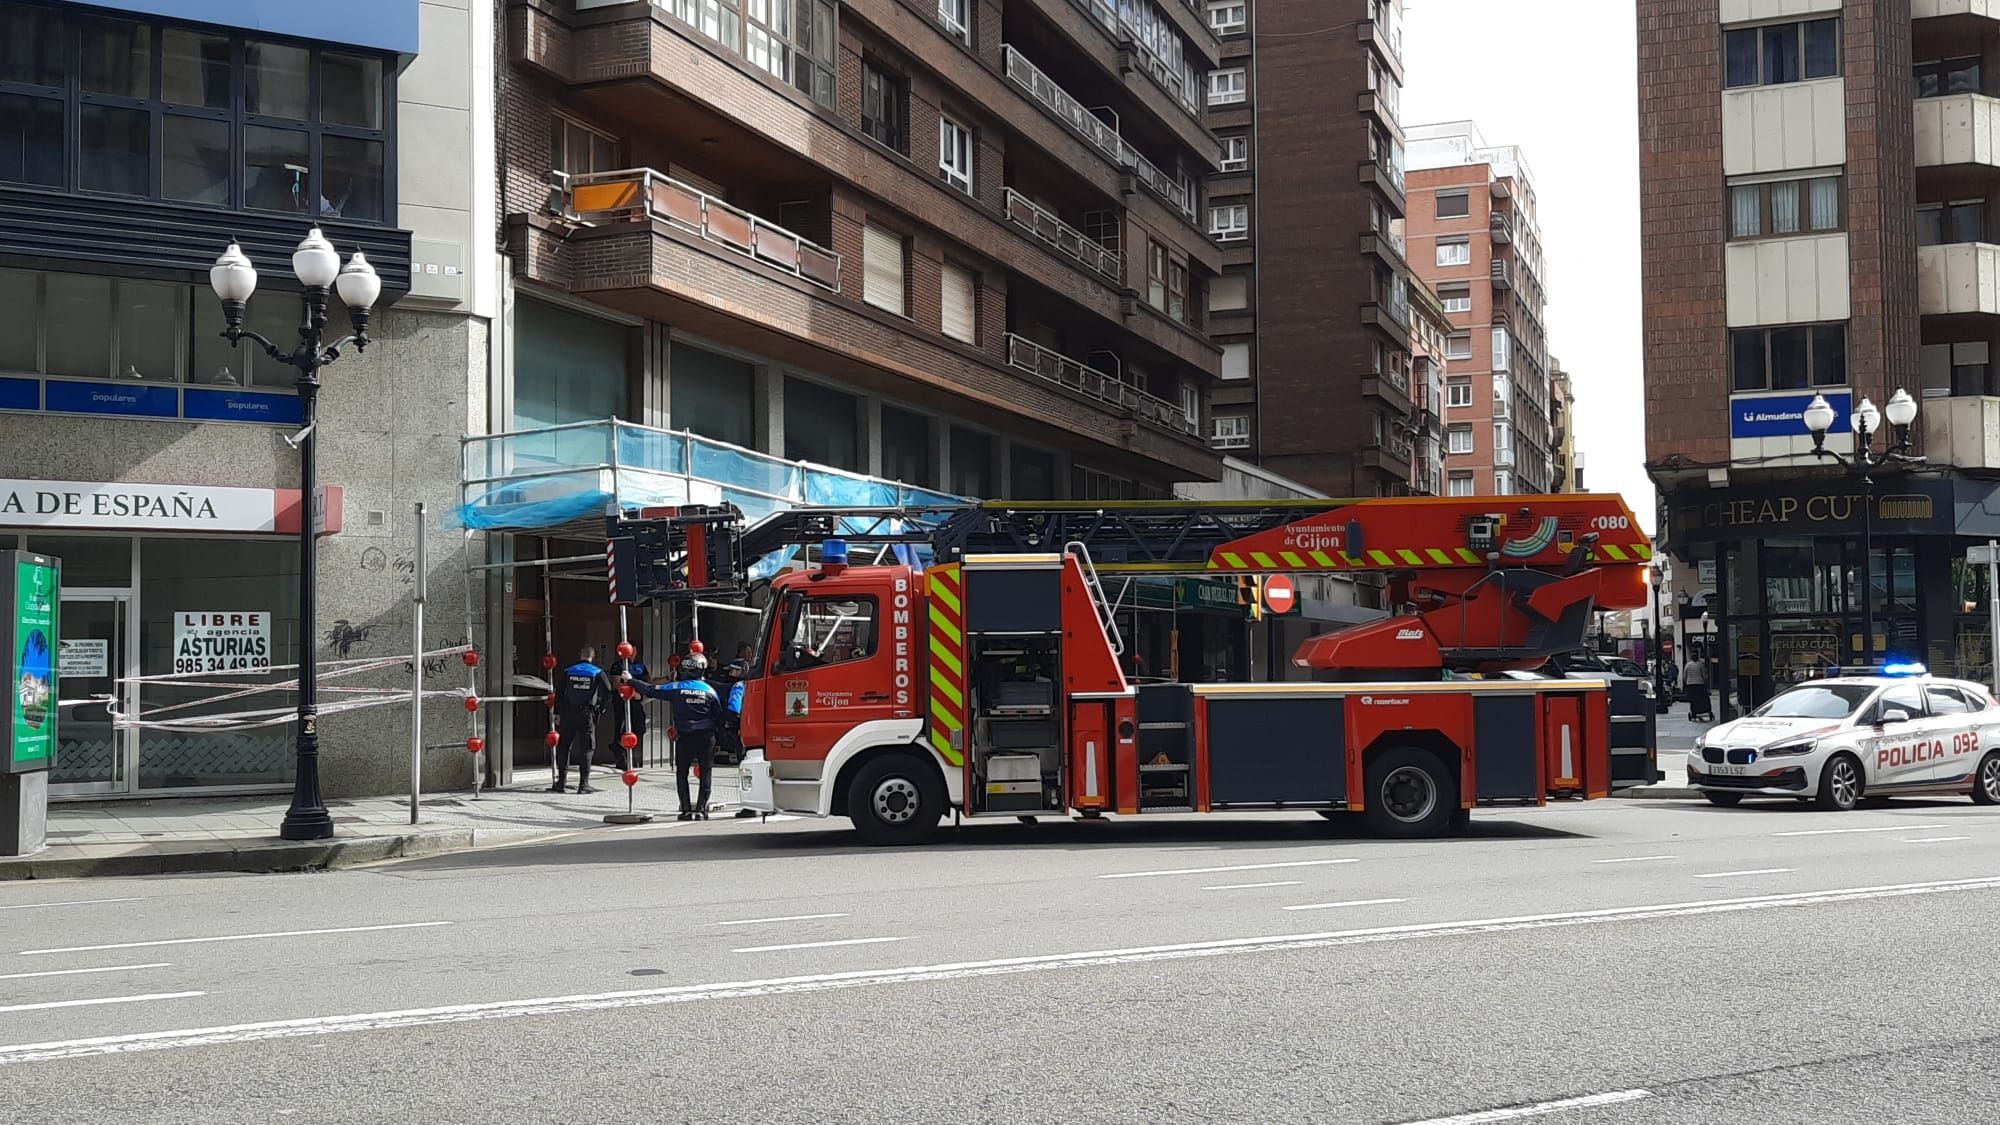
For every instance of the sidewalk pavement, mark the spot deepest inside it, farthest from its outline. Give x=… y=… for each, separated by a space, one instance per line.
x=1674 y=736
x=209 y=834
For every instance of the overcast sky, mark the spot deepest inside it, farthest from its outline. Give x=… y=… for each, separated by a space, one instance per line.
x=1494 y=62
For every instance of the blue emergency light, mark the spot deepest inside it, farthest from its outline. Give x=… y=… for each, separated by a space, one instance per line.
x=1904 y=668
x=833 y=556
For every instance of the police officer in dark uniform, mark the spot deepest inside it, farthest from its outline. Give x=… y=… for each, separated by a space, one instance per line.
x=729 y=725
x=696 y=710
x=635 y=708
x=583 y=692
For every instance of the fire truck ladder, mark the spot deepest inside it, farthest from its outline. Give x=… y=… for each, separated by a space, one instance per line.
x=1107 y=615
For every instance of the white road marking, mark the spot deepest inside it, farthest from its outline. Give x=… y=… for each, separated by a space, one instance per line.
x=1847 y=831
x=818 y=944
x=1253 y=886
x=1933 y=839
x=786 y=918
x=100 y=1000
x=1754 y=871
x=233 y=937
x=1634 y=858
x=863 y=978
x=1236 y=867
x=1515 y=1113
x=79 y=972
x=1337 y=905
x=72 y=902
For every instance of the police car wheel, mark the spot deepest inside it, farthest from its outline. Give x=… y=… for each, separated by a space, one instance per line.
x=895 y=799
x=1840 y=783
x=1986 y=783
x=1410 y=793
x=1724 y=800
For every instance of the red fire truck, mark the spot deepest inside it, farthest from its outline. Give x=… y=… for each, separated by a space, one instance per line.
x=988 y=682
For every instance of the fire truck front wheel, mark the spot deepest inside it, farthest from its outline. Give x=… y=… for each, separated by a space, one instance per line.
x=896 y=799
x=1411 y=793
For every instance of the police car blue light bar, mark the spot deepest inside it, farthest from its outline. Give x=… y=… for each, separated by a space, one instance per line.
x=1904 y=668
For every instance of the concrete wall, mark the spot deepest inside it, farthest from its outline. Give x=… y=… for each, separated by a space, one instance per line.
x=1738 y=11
x=1787 y=280
x=1779 y=128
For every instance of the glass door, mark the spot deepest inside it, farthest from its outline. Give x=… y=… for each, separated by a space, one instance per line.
x=93 y=755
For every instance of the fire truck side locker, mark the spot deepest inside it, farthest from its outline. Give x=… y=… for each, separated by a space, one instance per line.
x=1273 y=747
x=1015 y=761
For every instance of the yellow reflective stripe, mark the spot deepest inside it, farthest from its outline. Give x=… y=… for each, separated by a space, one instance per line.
x=944 y=687
x=942 y=653
x=1380 y=558
x=1349 y=560
x=1642 y=551
x=1321 y=558
x=1617 y=553
x=1409 y=556
x=945 y=625
x=1438 y=557
x=1263 y=560
x=946 y=596
x=1468 y=554
x=943 y=714
x=1232 y=561
x=1292 y=560
x=942 y=740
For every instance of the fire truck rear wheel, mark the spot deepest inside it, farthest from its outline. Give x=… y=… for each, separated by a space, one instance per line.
x=1411 y=793
x=895 y=799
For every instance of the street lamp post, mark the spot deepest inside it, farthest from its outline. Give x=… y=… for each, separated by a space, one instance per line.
x=1867 y=421
x=318 y=268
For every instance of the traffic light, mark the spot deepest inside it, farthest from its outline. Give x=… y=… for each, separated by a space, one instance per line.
x=1250 y=595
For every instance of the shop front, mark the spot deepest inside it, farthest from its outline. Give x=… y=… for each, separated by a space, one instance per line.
x=157 y=581
x=1788 y=576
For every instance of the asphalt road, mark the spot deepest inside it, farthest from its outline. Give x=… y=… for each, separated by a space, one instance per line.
x=1640 y=962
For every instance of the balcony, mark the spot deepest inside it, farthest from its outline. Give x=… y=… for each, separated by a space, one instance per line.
x=1502 y=273
x=1386 y=245
x=642 y=195
x=1958 y=278
x=1501 y=227
x=1026 y=214
x=1503 y=458
x=1024 y=354
x=1934 y=9
x=1086 y=124
x=1958 y=129
x=1392 y=387
x=1387 y=39
x=1962 y=432
x=1374 y=104
x=1392 y=453
x=1387 y=178
x=1391 y=316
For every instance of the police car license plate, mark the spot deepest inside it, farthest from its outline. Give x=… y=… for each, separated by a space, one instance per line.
x=1730 y=771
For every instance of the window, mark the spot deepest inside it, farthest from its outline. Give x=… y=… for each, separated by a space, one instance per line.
x=956 y=17
x=1235 y=153
x=1228 y=87
x=1458 y=439
x=1944 y=700
x=960 y=300
x=1227 y=17
x=972 y=463
x=1458 y=484
x=907 y=451
x=955 y=154
x=577 y=149
x=1791 y=358
x=1456 y=298
x=1230 y=431
x=1962 y=368
x=1229 y=222
x=1503 y=483
x=1454 y=252
x=1938 y=78
x=1503 y=438
x=1190 y=397
x=1177 y=291
x=884 y=106
x=1781 y=52
x=1156 y=275
x=1236 y=361
x=1962 y=221
x=1458 y=392
x=827 y=630
x=1229 y=293
x=1453 y=204
x=882 y=269
x=1458 y=346
x=1784 y=207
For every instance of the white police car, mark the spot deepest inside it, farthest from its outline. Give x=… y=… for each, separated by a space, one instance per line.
x=1836 y=740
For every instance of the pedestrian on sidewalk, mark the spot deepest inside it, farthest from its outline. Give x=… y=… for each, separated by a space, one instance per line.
x=583 y=692
x=696 y=710
x=1694 y=685
x=634 y=709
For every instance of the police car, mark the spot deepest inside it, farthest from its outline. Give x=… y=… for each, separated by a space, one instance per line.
x=1899 y=731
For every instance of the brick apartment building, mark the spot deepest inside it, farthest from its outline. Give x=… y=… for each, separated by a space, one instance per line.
x=1566 y=459
x=1817 y=197
x=1311 y=307
x=1473 y=238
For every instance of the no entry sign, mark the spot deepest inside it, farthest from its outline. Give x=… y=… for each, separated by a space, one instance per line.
x=1281 y=594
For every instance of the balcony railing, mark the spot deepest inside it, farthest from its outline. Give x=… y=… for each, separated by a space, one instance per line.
x=1025 y=355
x=1229 y=441
x=1106 y=15
x=1071 y=112
x=1502 y=274
x=1501 y=225
x=1396 y=445
x=1031 y=217
x=641 y=194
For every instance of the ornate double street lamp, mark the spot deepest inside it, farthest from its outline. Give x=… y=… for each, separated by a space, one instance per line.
x=1901 y=412
x=318 y=269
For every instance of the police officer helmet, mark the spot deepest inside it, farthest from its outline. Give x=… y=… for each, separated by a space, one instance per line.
x=694 y=664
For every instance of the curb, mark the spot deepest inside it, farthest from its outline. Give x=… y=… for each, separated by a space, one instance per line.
x=177 y=858
x=1661 y=793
